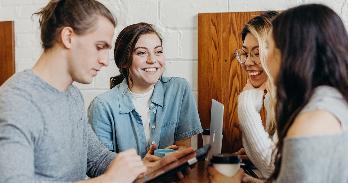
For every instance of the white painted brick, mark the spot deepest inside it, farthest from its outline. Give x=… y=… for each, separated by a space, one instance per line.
x=189 y=44
x=19 y=61
x=24 y=52
x=40 y=3
x=183 y=13
x=115 y=7
x=260 y=5
x=7 y=13
x=89 y=95
x=20 y=66
x=85 y=86
x=336 y=5
x=139 y=11
x=102 y=80
x=27 y=40
x=184 y=69
x=170 y=43
x=344 y=15
x=15 y=2
x=24 y=26
x=26 y=11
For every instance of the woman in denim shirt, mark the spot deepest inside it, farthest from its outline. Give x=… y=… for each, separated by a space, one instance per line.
x=143 y=107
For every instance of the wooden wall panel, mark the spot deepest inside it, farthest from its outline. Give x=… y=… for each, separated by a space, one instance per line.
x=209 y=53
x=220 y=76
x=7 y=53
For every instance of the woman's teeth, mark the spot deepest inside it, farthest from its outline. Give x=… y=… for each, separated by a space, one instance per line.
x=254 y=73
x=150 y=70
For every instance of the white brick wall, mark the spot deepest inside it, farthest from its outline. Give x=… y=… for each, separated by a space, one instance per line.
x=175 y=19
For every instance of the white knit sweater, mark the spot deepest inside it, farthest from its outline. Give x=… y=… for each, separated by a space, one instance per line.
x=258 y=144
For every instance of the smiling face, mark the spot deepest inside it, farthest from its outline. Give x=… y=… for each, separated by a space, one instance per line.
x=147 y=64
x=253 y=64
x=89 y=52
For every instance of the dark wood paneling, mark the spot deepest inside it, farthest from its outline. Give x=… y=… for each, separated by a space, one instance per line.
x=7 y=51
x=220 y=76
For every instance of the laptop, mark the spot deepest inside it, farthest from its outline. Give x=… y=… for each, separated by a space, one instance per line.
x=216 y=125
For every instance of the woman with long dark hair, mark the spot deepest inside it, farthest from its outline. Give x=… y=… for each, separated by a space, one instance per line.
x=308 y=58
x=308 y=61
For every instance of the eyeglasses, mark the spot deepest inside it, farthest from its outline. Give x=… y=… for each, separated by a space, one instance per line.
x=242 y=55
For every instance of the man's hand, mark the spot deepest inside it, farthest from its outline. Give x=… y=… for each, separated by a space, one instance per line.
x=126 y=167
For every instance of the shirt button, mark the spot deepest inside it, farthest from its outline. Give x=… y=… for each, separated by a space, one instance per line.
x=153 y=126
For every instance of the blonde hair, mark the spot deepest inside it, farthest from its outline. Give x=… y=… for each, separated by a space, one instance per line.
x=259 y=27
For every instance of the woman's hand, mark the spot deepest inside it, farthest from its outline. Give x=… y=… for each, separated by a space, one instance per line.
x=174 y=147
x=150 y=159
x=241 y=154
x=169 y=158
x=217 y=177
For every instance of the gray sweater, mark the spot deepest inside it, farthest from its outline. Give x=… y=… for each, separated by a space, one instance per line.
x=44 y=134
x=319 y=158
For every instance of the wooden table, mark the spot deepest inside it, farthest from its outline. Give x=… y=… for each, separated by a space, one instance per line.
x=198 y=174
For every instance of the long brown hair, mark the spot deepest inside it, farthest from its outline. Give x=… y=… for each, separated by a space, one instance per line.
x=313 y=43
x=124 y=47
x=79 y=15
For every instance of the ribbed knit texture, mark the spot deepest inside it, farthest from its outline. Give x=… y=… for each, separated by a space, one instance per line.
x=318 y=158
x=258 y=144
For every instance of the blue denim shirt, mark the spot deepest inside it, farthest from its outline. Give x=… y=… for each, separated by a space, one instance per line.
x=173 y=116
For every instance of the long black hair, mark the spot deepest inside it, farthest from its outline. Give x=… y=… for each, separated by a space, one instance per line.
x=313 y=44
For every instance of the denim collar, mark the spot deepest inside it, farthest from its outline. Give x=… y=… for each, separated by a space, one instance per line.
x=126 y=104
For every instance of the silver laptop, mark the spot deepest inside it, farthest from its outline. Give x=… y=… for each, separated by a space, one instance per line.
x=216 y=125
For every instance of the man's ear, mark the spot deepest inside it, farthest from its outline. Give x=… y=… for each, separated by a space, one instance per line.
x=66 y=36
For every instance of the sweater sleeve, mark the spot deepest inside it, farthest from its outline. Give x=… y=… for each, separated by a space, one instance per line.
x=257 y=142
x=98 y=156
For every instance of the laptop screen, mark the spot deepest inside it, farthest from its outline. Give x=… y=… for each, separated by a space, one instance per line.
x=216 y=125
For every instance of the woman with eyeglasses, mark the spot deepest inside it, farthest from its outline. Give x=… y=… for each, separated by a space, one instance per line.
x=258 y=139
x=307 y=57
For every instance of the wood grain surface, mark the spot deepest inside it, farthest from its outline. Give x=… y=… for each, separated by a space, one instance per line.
x=220 y=76
x=7 y=50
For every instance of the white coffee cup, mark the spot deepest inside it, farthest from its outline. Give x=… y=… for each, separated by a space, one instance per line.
x=227 y=164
